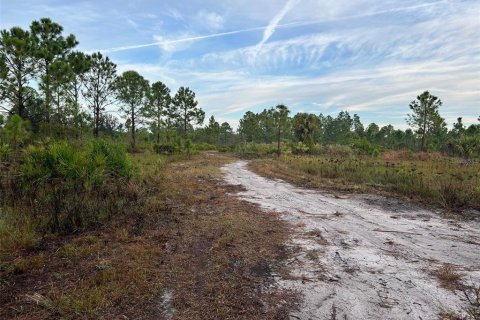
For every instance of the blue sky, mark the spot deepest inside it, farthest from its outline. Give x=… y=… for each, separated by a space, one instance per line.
x=366 y=56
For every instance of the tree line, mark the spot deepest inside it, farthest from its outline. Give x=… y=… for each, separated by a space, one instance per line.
x=428 y=132
x=46 y=82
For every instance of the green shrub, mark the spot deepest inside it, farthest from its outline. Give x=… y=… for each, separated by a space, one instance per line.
x=299 y=148
x=58 y=161
x=466 y=146
x=205 y=147
x=16 y=130
x=112 y=156
x=164 y=148
x=257 y=150
x=5 y=151
x=67 y=188
x=365 y=147
x=188 y=147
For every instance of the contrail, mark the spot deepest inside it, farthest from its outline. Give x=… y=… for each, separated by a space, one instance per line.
x=269 y=29
x=215 y=35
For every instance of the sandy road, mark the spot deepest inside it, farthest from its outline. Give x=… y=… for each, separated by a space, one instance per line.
x=375 y=254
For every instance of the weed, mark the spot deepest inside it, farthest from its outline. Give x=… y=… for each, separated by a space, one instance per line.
x=317 y=234
x=313 y=255
x=448 y=276
x=17 y=232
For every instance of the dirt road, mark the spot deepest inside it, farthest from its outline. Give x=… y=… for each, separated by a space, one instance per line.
x=365 y=257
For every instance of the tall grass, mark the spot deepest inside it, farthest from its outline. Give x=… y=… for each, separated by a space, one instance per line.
x=444 y=181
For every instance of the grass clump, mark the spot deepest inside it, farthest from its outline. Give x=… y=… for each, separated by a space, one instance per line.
x=17 y=231
x=448 y=276
x=313 y=255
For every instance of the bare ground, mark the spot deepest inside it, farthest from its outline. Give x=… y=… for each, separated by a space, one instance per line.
x=365 y=256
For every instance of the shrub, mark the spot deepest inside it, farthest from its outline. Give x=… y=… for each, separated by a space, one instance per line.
x=66 y=188
x=164 y=148
x=59 y=161
x=5 y=151
x=365 y=147
x=16 y=130
x=113 y=157
x=299 y=148
x=466 y=146
x=336 y=151
x=188 y=147
x=205 y=147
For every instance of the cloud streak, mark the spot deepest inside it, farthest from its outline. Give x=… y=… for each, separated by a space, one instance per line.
x=187 y=39
x=271 y=27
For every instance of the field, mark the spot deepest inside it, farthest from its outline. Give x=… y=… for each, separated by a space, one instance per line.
x=450 y=183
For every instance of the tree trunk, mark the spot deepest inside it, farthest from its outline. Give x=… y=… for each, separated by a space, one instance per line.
x=278 y=142
x=158 y=130
x=424 y=127
x=133 y=129
x=47 y=93
x=185 y=123
x=76 y=123
x=96 y=116
x=21 y=103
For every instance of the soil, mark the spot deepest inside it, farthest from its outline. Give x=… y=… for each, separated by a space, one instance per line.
x=365 y=256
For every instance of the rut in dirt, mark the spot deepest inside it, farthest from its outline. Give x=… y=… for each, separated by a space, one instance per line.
x=365 y=257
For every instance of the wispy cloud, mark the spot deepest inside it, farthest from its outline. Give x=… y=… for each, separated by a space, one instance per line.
x=212 y=20
x=268 y=29
x=272 y=26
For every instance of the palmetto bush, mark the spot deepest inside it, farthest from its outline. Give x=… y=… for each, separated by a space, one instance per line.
x=66 y=188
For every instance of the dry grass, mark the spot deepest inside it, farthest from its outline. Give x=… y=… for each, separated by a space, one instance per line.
x=317 y=235
x=214 y=253
x=448 y=276
x=421 y=177
x=471 y=293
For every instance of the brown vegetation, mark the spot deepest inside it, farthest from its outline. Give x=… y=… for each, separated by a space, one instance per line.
x=186 y=248
x=423 y=177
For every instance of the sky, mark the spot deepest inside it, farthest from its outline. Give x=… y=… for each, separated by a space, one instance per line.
x=368 y=57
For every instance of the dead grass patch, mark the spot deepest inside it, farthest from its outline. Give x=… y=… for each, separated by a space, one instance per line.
x=317 y=235
x=425 y=178
x=448 y=276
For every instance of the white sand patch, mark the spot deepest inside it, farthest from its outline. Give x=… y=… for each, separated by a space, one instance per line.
x=380 y=251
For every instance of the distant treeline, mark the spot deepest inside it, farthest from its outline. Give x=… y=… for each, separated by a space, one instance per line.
x=429 y=130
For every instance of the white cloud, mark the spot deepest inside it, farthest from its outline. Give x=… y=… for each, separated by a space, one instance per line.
x=168 y=44
x=173 y=13
x=213 y=21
